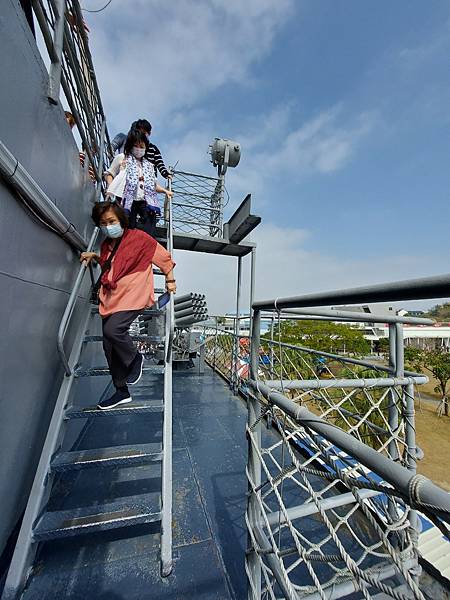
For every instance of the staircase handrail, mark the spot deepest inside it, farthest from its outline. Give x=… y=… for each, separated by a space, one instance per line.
x=166 y=522
x=68 y=312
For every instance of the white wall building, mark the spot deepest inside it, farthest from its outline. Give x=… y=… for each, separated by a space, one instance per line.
x=421 y=336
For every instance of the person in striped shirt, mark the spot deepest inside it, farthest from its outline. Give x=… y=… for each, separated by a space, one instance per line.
x=153 y=154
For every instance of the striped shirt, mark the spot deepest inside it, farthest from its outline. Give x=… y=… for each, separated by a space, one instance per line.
x=153 y=154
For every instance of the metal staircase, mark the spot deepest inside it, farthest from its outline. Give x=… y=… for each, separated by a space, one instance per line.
x=40 y=524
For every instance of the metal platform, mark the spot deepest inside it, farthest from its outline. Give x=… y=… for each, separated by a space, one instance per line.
x=208 y=237
x=210 y=245
x=188 y=241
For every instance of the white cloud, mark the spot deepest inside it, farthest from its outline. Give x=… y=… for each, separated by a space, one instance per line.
x=164 y=60
x=281 y=150
x=415 y=57
x=323 y=144
x=273 y=149
x=285 y=267
x=158 y=57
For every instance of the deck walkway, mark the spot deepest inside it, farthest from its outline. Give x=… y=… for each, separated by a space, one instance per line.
x=209 y=504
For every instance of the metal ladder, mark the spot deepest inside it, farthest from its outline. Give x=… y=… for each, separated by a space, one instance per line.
x=38 y=523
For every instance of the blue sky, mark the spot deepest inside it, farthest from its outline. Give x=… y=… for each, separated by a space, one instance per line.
x=342 y=111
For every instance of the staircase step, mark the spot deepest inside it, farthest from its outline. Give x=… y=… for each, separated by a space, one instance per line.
x=107 y=457
x=147 y=311
x=125 y=512
x=133 y=408
x=104 y=370
x=149 y=338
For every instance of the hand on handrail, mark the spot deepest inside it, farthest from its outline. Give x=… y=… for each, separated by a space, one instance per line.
x=87 y=257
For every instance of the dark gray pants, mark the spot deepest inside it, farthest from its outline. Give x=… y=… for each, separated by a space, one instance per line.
x=148 y=218
x=119 y=348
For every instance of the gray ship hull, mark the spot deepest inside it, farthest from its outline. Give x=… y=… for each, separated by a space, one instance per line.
x=37 y=267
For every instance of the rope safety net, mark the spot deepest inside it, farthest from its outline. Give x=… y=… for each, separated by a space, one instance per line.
x=322 y=524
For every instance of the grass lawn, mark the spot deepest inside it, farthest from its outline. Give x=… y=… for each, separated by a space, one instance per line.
x=433 y=436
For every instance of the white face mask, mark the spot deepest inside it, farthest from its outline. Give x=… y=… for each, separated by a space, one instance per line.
x=112 y=231
x=138 y=152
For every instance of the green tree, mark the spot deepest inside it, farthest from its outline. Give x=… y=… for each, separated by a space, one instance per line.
x=413 y=358
x=436 y=362
x=383 y=345
x=441 y=312
x=322 y=335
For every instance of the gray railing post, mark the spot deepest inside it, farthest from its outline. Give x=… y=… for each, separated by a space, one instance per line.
x=56 y=56
x=252 y=287
x=410 y=438
x=253 y=462
x=219 y=215
x=166 y=521
x=215 y=345
x=392 y=411
x=399 y=351
x=396 y=368
x=272 y=372
x=237 y=327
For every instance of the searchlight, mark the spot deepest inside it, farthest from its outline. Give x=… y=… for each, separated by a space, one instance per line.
x=224 y=154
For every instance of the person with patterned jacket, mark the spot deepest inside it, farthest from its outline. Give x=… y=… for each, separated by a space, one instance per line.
x=153 y=154
x=132 y=182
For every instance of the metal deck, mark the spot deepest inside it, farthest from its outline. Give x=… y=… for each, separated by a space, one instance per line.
x=209 y=502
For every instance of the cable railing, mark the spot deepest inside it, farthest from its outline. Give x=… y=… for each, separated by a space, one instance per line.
x=197 y=204
x=333 y=492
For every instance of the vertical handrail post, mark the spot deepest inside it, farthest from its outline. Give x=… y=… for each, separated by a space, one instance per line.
x=392 y=409
x=407 y=404
x=396 y=369
x=237 y=328
x=407 y=400
x=253 y=462
x=215 y=344
x=252 y=287
x=272 y=370
x=217 y=215
x=410 y=439
x=56 y=58
x=166 y=521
